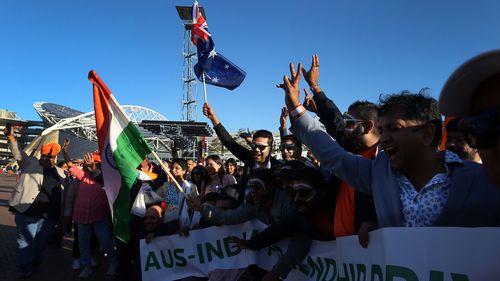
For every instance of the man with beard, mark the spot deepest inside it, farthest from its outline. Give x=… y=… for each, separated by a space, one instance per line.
x=410 y=173
x=35 y=202
x=356 y=130
x=455 y=142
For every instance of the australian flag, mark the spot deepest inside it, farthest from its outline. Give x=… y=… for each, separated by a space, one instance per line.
x=219 y=71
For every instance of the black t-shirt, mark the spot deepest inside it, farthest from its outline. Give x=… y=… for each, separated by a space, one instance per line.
x=48 y=202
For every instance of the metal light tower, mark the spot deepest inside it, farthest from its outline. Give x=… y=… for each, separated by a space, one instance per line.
x=189 y=81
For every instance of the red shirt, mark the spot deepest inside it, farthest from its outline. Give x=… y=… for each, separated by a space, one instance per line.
x=91 y=202
x=344 y=209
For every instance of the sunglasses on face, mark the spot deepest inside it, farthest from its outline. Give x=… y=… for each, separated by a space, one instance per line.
x=351 y=122
x=481 y=130
x=260 y=147
x=287 y=146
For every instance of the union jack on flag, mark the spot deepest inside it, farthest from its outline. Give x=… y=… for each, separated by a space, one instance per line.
x=211 y=64
x=199 y=29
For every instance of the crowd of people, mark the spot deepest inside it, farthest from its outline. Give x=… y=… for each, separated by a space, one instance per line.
x=379 y=164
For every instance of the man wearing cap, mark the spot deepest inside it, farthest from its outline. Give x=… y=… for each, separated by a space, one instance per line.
x=36 y=203
x=472 y=92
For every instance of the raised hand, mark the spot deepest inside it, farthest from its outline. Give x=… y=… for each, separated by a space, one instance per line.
x=292 y=87
x=65 y=152
x=309 y=103
x=65 y=144
x=312 y=75
x=88 y=160
x=8 y=131
x=283 y=117
x=209 y=112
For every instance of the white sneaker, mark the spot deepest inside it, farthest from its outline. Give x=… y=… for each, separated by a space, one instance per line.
x=112 y=268
x=76 y=264
x=93 y=262
x=85 y=272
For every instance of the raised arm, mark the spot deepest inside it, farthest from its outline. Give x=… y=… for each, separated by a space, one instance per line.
x=226 y=139
x=64 y=149
x=19 y=156
x=328 y=113
x=283 y=116
x=353 y=169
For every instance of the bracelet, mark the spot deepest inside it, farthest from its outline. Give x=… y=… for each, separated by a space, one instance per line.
x=297 y=111
x=314 y=86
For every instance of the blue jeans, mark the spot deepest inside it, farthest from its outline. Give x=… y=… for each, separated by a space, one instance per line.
x=102 y=230
x=32 y=236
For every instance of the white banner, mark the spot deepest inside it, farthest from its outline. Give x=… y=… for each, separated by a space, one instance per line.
x=411 y=254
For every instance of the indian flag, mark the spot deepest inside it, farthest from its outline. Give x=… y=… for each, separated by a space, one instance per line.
x=122 y=149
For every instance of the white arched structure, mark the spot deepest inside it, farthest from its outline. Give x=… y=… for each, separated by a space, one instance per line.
x=58 y=117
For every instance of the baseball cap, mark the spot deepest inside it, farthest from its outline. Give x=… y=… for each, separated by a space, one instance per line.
x=456 y=96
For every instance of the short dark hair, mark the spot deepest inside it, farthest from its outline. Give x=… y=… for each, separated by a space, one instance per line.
x=368 y=111
x=264 y=134
x=293 y=139
x=417 y=106
x=181 y=162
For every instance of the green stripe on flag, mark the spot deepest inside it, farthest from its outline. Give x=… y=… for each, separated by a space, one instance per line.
x=131 y=150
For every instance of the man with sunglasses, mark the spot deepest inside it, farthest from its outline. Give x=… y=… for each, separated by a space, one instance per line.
x=257 y=157
x=472 y=92
x=36 y=203
x=291 y=148
x=411 y=182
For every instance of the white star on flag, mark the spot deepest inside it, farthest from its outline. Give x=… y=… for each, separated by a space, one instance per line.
x=215 y=80
x=212 y=54
x=226 y=66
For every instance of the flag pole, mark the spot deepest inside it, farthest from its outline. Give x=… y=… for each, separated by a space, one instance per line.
x=204 y=88
x=168 y=172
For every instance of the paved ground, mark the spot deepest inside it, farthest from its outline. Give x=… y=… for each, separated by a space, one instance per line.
x=57 y=264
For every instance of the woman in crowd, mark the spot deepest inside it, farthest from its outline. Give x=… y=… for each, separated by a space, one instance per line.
x=178 y=216
x=218 y=178
x=199 y=177
x=231 y=167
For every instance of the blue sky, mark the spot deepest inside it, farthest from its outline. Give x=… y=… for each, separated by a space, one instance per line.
x=366 y=48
